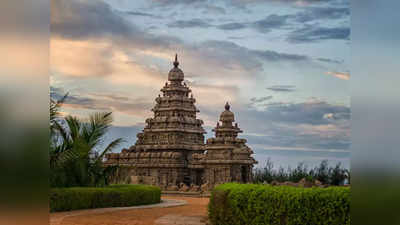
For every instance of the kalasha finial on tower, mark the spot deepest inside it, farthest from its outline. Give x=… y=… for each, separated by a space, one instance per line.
x=176 y=63
x=227 y=106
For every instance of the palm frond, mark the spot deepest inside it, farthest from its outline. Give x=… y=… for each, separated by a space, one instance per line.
x=74 y=126
x=61 y=131
x=55 y=106
x=61 y=157
x=97 y=127
x=109 y=148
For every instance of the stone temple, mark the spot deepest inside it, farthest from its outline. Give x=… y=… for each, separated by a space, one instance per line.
x=171 y=153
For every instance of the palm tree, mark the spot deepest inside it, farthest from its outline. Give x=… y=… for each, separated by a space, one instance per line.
x=74 y=160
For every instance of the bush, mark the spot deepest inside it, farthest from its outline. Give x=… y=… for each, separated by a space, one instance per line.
x=324 y=173
x=65 y=199
x=248 y=204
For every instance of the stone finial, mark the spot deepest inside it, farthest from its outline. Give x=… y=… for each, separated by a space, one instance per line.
x=176 y=63
x=227 y=106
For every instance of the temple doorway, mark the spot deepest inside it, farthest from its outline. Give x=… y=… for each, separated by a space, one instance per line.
x=244 y=172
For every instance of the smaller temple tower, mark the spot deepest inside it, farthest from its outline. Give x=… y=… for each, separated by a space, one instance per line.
x=227 y=158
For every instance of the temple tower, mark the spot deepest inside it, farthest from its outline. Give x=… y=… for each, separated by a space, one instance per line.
x=227 y=158
x=162 y=151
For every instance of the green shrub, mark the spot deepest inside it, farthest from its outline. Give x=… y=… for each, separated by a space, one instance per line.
x=255 y=204
x=333 y=175
x=65 y=199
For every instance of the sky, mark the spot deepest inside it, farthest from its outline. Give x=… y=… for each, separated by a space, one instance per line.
x=283 y=65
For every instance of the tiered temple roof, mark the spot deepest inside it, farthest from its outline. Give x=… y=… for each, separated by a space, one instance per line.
x=226 y=147
x=174 y=125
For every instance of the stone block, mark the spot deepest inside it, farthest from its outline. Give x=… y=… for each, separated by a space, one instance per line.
x=135 y=180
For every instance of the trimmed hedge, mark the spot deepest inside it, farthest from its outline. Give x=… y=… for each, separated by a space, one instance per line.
x=256 y=204
x=65 y=199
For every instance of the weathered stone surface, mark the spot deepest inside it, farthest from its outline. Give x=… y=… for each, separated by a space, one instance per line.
x=304 y=183
x=171 y=148
x=204 y=187
x=194 y=188
x=184 y=188
x=172 y=188
x=135 y=180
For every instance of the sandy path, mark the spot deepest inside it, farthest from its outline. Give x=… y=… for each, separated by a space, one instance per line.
x=193 y=213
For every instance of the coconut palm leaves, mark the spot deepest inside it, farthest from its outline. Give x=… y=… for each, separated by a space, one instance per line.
x=55 y=106
x=75 y=159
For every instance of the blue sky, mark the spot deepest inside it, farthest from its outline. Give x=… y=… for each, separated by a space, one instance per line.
x=282 y=64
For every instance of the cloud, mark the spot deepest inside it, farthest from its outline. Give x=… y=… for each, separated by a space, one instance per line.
x=340 y=75
x=211 y=100
x=192 y=23
x=321 y=13
x=275 y=21
x=261 y=99
x=271 y=22
x=276 y=56
x=105 y=102
x=265 y=25
x=282 y=88
x=208 y=8
x=57 y=93
x=102 y=60
x=259 y=102
x=176 y=2
x=95 y=20
x=73 y=19
x=239 y=2
x=231 y=26
x=334 y=61
x=236 y=38
x=312 y=112
x=91 y=61
x=137 y=13
x=314 y=33
x=313 y=124
x=225 y=58
x=107 y=47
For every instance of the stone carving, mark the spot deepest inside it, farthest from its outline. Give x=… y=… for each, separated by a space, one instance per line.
x=194 y=188
x=171 y=148
x=183 y=187
x=204 y=187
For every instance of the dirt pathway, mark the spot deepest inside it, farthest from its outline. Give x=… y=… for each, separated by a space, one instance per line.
x=193 y=213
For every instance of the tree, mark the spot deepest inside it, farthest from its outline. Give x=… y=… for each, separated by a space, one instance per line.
x=337 y=175
x=73 y=143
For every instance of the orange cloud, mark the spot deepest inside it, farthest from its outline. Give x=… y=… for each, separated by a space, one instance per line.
x=343 y=76
x=89 y=58
x=80 y=58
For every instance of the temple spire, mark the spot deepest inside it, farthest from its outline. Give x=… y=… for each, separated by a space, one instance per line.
x=176 y=63
x=227 y=106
